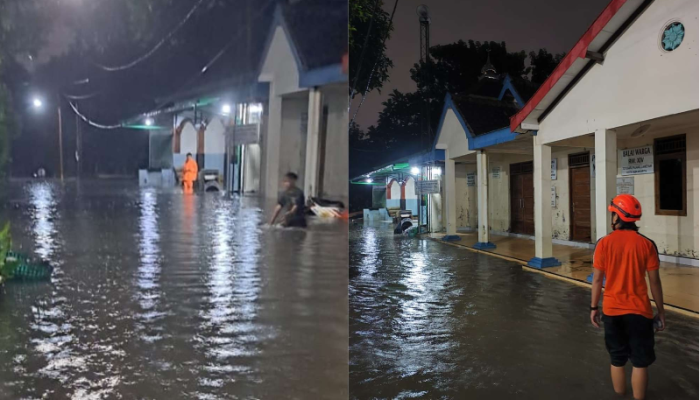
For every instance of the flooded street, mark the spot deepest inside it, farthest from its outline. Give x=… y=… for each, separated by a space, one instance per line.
x=432 y=321
x=163 y=296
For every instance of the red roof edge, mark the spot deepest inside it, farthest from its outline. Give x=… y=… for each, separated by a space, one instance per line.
x=578 y=51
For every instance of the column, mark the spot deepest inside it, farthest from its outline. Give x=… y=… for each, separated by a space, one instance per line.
x=313 y=128
x=482 y=196
x=450 y=198
x=605 y=178
x=542 y=179
x=271 y=157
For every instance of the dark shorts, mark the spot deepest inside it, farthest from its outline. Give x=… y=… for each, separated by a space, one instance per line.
x=629 y=337
x=295 y=222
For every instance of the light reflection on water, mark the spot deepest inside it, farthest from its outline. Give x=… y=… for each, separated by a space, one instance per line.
x=158 y=295
x=431 y=321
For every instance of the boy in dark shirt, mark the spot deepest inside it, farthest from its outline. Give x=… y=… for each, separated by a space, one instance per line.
x=292 y=200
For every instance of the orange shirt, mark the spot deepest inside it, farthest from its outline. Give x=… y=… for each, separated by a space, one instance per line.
x=189 y=171
x=625 y=256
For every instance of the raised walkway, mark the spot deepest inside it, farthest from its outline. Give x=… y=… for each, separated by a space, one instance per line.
x=680 y=283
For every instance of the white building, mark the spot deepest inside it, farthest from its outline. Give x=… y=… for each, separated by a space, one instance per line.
x=307 y=127
x=619 y=114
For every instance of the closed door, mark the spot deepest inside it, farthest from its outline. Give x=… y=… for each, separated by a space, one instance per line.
x=522 y=199
x=580 y=195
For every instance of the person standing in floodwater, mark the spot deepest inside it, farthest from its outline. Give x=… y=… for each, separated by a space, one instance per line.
x=189 y=173
x=624 y=258
x=291 y=199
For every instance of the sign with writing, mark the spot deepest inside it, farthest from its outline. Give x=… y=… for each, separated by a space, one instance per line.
x=554 y=169
x=625 y=185
x=496 y=172
x=244 y=134
x=471 y=179
x=428 y=187
x=554 y=197
x=637 y=161
x=592 y=165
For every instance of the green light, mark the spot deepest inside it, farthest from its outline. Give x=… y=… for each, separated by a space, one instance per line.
x=401 y=166
x=145 y=127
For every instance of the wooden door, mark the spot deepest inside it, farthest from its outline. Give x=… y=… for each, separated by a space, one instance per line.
x=580 y=197
x=522 y=199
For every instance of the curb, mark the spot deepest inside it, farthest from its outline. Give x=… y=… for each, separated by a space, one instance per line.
x=523 y=264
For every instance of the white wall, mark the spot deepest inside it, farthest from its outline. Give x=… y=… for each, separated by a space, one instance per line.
x=638 y=80
x=467 y=213
x=279 y=65
x=395 y=190
x=673 y=235
x=188 y=144
x=252 y=172
x=411 y=197
x=214 y=145
x=335 y=185
x=293 y=137
x=453 y=136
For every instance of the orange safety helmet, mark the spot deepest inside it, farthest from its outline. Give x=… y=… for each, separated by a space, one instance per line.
x=627 y=207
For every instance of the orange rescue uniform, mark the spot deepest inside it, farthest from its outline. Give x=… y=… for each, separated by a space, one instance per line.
x=625 y=256
x=189 y=174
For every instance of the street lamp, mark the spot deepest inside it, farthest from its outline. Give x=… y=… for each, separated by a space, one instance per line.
x=415 y=171
x=149 y=121
x=226 y=109
x=37 y=103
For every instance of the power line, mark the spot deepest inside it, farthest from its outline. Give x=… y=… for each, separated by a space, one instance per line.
x=364 y=95
x=362 y=54
x=92 y=123
x=155 y=48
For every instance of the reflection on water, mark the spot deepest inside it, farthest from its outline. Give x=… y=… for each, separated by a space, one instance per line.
x=164 y=296
x=432 y=321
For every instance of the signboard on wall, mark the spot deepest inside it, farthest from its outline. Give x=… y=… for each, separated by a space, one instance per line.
x=496 y=172
x=554 y=169
x=428 y=187
x=471 y=179
x=244 y=134
x=637 y=161
x=592 y=165
x=625 y=185
x=554 y=197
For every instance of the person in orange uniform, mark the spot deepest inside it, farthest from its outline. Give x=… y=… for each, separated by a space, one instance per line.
x=624 y=258
x=189 y=173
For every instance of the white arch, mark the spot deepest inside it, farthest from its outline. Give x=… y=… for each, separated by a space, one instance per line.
x=188 y=139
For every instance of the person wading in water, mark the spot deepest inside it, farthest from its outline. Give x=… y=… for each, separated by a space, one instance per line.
x=189 y=173
x=624 y=258
x=292 y=200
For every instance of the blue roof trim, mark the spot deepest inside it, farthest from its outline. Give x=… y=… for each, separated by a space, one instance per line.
x=449 y=104
x=322 y=76
x=508 y=84
x=498 y=136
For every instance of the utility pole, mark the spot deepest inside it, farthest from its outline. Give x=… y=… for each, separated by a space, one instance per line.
x=424 y=20
x=78 y=145
x=60 y=137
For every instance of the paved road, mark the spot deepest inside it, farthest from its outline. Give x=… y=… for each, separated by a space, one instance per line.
x=431 y=321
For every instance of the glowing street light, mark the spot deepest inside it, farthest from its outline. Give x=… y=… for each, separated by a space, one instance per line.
x=368 y=180
x=149 y=121
x=37 y=103
x=415 y=171
x=226 y=108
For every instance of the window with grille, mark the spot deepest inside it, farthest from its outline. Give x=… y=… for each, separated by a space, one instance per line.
x=670 y=176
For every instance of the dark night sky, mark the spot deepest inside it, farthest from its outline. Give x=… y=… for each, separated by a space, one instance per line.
x=523 y=24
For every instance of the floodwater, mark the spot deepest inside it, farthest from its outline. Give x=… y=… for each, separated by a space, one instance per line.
x=157 y=295
x=432 y=321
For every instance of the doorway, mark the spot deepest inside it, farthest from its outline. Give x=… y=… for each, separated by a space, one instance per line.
x=522 y=199
x=580 y=197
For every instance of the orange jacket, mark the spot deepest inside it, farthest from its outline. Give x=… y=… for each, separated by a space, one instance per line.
x=189 y=171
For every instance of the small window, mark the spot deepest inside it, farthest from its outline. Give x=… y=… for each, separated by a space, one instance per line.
x=670 y=176
x=672 y=36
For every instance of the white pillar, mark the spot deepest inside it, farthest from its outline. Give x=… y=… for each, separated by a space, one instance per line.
x=271 y=160
x=312 y=142
x=542 y=179
x=605 y=178
x=482 y=194
x=450 y=194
